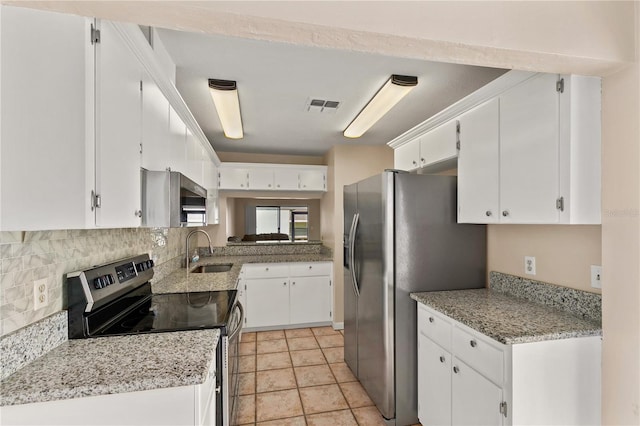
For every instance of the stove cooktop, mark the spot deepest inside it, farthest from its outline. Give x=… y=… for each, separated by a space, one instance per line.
x=176 y=312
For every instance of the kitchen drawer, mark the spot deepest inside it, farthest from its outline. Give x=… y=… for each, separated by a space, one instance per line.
x=480 y=354
x=265 y=270
x=435 y=326
x=311 y=269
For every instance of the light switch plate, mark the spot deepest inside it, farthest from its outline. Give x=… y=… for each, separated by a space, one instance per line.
x=596 y=276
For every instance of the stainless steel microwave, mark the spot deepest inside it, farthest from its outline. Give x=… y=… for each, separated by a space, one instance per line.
x=172 y=200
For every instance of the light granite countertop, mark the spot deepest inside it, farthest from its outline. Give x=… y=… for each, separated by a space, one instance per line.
x=180 y=281
x=508 y=319
x=108 y=365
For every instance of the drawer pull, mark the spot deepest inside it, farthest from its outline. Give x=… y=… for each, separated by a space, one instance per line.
x=310 y=267
x=441 y=359
x=293 y=283
x=266 y=269
x=430 y=319
x=284 y=283
x=473 y=343
x=456 y=369
x=488 y=213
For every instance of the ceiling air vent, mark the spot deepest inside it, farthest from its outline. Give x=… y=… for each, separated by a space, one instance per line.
x=320 y=105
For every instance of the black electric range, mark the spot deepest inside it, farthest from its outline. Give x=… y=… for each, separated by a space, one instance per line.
x=116 y=299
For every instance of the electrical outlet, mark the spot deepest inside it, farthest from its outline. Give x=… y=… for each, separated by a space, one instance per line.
x=529 y=265
x=40 y=294
x=596 y=276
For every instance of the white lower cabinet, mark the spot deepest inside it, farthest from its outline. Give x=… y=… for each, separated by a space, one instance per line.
x=184 y=405
x=467 y=378
x=286 y=294
x=266 y=298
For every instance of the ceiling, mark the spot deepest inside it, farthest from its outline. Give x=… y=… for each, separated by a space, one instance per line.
x=277 y=80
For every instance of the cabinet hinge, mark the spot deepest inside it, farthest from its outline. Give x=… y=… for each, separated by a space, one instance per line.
x=96 y=201
x=458 y=135
x=560 y=204
x=95 y=35
x=503 y=408
x=560 y=85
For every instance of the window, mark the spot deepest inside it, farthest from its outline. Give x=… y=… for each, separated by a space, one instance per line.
x=292 y=221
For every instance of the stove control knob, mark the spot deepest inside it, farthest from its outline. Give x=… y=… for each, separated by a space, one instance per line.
x=151 y=263
x=97 y=283
x=111 y=279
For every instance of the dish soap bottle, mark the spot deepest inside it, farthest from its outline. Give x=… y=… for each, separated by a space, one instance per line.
x=195 y=257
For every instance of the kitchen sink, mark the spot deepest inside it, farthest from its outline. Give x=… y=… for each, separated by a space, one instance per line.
x=206 y=269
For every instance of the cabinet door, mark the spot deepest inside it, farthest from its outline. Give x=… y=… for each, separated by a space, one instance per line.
x=210 y=173
x=286 y=179
x=529 y=149
x=261 y=178
x=231 y=178
x=313 y=180
x=42 y=168
x=475 y=400
x=155 y=126
x=118 y=130
x=406 y=157
x=310 y=300
x=439 y=144
x=194 y=158
x=478 y=165
x=267 y=302
x=177 y=142
x=434 y=383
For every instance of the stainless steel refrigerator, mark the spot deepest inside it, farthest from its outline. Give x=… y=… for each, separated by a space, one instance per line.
x=400 y=236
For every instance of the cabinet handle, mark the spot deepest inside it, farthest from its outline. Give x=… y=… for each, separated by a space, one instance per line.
x=456 y=369
x=269 y=185
x=505 y=213
x=422 y=160
x=430 y=319
x=473 y=343
x=441 y=359
x=278 y=185
x=293 y=283
x=414 y=163
x=488 y=213
x=310 y=267
x=138 y=213
x=266 y=269
x=284 y=283
x=242 y=185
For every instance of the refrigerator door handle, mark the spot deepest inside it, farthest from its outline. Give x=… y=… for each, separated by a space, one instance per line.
x=352 y=255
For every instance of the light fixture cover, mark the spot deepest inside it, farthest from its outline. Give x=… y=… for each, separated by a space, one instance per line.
x=225 y=98
x=390 y=94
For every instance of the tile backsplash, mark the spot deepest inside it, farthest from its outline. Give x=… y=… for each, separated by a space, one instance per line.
x=27 y=256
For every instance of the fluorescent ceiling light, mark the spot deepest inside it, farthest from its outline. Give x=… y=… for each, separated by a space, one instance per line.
x=390 y=94
x=225 y=97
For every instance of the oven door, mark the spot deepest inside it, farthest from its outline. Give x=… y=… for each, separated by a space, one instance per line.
x=228 y=398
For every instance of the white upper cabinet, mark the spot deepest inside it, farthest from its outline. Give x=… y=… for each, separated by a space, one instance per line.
x=532 y=154
x=529 y=148
x=44 y=183
x=118 y=130
x=272 y=177
x=478 y=165
x=286 y=179
x=407 y=156
x=433 y=149
x=439 y=145
x=313 y=179
x=210 y=173
x=233 y=178
x=260 y=178
x=177 y=142
x=155 y=126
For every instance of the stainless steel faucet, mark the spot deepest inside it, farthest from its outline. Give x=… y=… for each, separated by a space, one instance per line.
x=187 y=244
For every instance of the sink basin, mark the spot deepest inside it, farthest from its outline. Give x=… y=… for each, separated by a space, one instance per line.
x=206 y=269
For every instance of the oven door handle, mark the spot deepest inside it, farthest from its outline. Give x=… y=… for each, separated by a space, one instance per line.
x=235 y=332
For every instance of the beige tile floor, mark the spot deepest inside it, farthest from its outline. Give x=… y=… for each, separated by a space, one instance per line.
x=298 y=377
